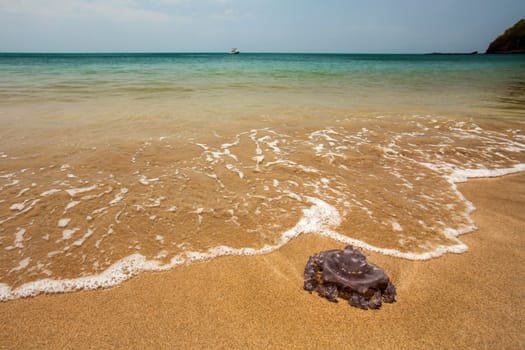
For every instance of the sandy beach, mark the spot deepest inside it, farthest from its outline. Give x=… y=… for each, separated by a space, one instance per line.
x=473 y=300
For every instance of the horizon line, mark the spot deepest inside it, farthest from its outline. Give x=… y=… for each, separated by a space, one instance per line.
x=245 y=52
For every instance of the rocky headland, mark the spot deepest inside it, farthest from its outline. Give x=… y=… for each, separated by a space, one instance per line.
x=512 y=41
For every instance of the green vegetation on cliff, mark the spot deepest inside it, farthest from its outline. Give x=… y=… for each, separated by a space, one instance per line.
x=512 y=41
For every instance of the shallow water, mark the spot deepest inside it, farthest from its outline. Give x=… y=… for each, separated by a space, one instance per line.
x=115 y=164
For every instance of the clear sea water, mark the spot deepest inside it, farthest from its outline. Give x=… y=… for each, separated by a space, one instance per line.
x=477 y=84
x=115 y=164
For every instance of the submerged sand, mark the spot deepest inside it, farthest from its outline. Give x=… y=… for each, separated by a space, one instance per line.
x=473 y=300
x=385 y=183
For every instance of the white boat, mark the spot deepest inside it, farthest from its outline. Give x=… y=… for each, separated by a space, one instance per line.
x=234 y=51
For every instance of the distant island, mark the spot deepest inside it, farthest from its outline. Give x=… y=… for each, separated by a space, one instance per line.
x=454 y=53
x=512 y=41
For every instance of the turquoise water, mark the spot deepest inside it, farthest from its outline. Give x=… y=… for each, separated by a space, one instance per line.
x=116 y=164
x=475 y=84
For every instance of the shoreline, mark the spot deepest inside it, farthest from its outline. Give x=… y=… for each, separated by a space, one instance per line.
x=468 y=300
x=136 y=264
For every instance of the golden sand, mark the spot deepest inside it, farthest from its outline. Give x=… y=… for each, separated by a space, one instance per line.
x=473 y=300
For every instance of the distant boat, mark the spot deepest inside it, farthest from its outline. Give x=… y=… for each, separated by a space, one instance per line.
x=234 y=51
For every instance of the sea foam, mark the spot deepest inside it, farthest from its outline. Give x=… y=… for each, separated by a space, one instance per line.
x=318 y=218
x=462 y=175
x=322 y=216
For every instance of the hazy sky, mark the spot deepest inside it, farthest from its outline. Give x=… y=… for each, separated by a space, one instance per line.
x=255 y=25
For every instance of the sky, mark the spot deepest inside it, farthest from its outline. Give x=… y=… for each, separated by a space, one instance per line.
x=350 y=26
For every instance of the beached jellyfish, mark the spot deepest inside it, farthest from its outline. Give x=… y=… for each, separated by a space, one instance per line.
x=346 y=274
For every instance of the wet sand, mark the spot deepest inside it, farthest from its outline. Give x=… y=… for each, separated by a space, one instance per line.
x=473 y=300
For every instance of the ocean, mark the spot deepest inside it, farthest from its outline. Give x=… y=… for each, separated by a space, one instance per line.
x=116 y=164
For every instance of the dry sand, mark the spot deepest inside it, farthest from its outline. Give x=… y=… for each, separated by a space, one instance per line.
x=473 y=300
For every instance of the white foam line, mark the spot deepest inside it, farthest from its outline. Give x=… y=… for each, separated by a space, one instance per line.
x=74 y=191
x=22 y=192
x=119 y=197
x=70 y=205
x=439 y=251
x=63 y=222
x=19 y=238
x=318 y=219
x=271 y=144
x=81 y=241
x=145 y=181
x=50 y=192
x=18 y=206
x=25 y=210
x=95 y=196
x=22 y=265
x=229 y=145
x=462 y=175
x=12 y=183
x=232 y=168
x=68 y=233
